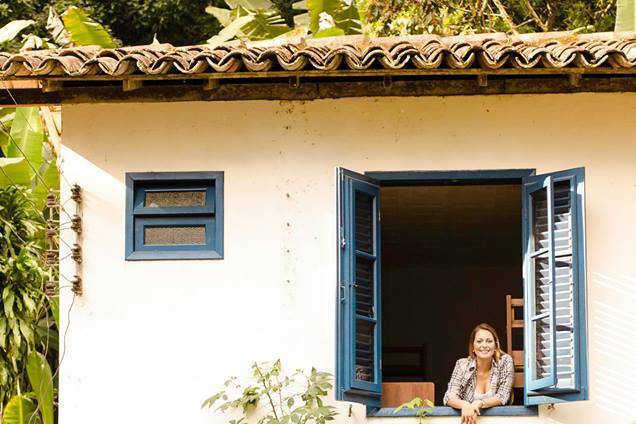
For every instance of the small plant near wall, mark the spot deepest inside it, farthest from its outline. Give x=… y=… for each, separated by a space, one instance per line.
x=273 y=397
x=419 y=406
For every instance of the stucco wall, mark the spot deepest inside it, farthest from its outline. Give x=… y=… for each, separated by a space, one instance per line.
x=149 y=340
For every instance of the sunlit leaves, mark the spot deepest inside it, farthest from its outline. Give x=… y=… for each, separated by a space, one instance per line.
x=20 y=410
x=29 y=159
x=41 y=380
x=420 y=406
x=22 y=275
x=285 y=398
x=258 y=20
x=12 y=29
x=84 y=31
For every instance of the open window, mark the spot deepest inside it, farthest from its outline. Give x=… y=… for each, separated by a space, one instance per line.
x=451 y=246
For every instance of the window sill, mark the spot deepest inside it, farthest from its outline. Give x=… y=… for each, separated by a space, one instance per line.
x=149 y=255
x=446 y=411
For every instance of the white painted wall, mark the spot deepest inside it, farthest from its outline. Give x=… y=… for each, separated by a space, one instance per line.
x=148 y=341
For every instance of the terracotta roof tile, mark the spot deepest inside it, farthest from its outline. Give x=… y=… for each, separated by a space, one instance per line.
x=487 y=51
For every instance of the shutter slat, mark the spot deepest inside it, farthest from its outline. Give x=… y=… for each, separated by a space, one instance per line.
x=559 y=285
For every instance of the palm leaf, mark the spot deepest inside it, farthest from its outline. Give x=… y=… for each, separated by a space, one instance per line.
x=348 y=19
x=329 y=32
x=316 y=7
x=230 y=31
x=12 y=29
x=7 y=114
x=250 y=4
x=224 y=16
x=265 y=25
x=84 y=31
x=15 y=171
x=56 y=28
x=20 y=410
x=27 y=136
x=41 y=380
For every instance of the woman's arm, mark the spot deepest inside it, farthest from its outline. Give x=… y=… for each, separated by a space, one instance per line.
x=469 y=410
x=504 y=382
x=487 y=403
x=455 y=383
x=452 y=397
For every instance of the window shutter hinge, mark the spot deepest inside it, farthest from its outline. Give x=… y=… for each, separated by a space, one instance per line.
x=342 y=292
x=343 y=242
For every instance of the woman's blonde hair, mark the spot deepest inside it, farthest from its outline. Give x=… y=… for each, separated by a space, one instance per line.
x=471 y=340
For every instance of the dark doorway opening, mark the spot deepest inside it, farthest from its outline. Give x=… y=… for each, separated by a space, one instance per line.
x=450 y=255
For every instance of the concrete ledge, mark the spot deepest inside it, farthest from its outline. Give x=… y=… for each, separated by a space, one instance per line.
x=445 y=411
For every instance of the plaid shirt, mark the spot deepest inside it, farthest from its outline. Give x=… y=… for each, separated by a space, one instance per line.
x=463 y=380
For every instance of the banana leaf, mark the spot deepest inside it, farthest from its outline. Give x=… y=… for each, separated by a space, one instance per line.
x=41 y=380
x=20 y=410
x=84 y=31
x=12 y=29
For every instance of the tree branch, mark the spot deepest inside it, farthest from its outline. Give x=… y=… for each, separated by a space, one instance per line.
x=505 y=16
x=535 y=16
x=267 y=389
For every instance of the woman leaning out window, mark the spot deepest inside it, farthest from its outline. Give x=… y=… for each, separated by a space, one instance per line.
x=483 y=379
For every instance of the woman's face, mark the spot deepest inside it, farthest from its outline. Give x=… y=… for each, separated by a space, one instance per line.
x=484 y=344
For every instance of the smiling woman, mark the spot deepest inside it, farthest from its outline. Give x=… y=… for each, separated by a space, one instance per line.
x=483 y=379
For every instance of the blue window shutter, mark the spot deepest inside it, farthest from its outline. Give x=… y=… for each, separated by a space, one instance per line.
x=358 y=375
x=555 y=295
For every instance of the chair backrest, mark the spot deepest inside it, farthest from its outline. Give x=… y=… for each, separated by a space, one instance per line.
x=512 y=324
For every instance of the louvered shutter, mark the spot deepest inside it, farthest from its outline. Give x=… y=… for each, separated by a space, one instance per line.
x=555 y=295
x=359 y=373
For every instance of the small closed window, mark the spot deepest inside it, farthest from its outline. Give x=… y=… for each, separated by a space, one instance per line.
x=174 y=215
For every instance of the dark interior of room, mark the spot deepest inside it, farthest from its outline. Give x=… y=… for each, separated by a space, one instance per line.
x=450 y=255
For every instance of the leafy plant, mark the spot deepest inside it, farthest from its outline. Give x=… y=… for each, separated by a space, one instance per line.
x=41 y=380
x=84 y=31
x=247 y=19
x=22 y=275
x=29 y=159
x=452 y=17
x=11 y=30
x=259 y=20
x=20 y=410
x=417 y=405
x=276 y=398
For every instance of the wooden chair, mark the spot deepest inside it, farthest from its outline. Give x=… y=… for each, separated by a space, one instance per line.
x=513 y=324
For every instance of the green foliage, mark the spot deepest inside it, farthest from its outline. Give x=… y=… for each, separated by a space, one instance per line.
x=451 y=17
x=625 y=15
x=12 y=29
x=276 y=398
x=247 y=19
x=29 y=159
x=20 y=410
x=41 y=379
x=419 y=406
x=258 y=20
x=133 y=22
x=84 y=31
x=22 y=275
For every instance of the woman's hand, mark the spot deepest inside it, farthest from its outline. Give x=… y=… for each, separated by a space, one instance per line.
x=469 y=413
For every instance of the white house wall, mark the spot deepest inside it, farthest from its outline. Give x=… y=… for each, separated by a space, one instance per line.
x=149 y=340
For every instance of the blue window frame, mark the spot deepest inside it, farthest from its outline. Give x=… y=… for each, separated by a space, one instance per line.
x=359 y=374
x=174 y=215
x=554 y=282
x=553 y=231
